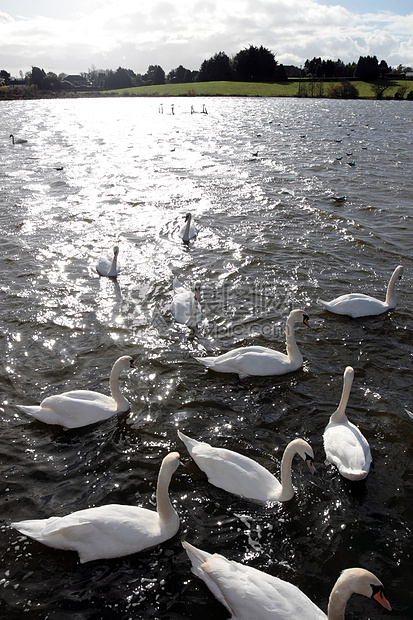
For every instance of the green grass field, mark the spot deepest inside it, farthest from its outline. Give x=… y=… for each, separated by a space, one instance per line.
x=252 y=89
x=292 y=88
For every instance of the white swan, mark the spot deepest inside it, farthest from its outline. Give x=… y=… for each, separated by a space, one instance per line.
x=344 y=444
x=357 y=304
x=262 y=361
x=82 y=407
x=113 y=530
x=239 y=474
x=248 y=593
x=185 y=305
x=18 y=140
x=109 y=266
x=189 y=230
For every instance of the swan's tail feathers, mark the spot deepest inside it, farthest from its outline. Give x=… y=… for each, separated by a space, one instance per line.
x=32 y=410
x=203 y=567
x=32 y=528
x=206 y=361
x=197 y=556
x=354 y=474
x=323 y=303
x=188 y=441
x=177 y=285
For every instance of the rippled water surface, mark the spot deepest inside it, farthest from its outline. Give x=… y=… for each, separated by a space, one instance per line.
x=259 y=177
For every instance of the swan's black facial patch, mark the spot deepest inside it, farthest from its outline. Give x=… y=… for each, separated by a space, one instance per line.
x=306 y=319
x=132 y=364
x=309 y=458
x=377 y=590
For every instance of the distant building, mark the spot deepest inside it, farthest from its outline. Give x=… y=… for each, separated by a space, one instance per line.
x=17 y=82
x=292 y=71
x=76 y=80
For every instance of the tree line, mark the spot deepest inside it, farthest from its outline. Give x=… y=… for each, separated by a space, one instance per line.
x=252 y=64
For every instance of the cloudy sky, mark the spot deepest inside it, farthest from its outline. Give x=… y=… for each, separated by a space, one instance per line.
x=74 y=36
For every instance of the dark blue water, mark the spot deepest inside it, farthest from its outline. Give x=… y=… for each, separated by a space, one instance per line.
x=98 y=173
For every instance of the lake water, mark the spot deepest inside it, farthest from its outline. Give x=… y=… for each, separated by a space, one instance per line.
x=259 y=177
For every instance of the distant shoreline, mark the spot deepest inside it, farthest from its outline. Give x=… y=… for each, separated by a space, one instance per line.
x=294 y=87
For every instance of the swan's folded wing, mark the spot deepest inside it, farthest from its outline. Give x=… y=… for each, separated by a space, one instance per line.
x=347 y=448
x=249 y=593
x=44 y=529
x=76 y=408
x=235 y=473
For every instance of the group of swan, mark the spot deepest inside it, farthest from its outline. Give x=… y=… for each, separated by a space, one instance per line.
x=115 y=530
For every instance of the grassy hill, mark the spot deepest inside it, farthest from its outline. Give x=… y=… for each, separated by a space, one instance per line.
x=292 y=88
x=251 y=89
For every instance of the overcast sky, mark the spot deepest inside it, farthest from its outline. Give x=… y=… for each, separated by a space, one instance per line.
x=74 y=36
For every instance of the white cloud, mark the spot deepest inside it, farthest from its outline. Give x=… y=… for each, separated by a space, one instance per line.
x=125 y=33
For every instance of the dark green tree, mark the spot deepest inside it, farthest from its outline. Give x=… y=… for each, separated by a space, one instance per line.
x=255 y=64
x=5 y=76
x=368 y=68
x=311 y=67
x=180 y=75
x=216 y=69
x=280 y=73
x=37 y=76
x=51 y=82
x=383 y=68
x=154 y=75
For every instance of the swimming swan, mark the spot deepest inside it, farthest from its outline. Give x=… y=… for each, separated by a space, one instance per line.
x=243 y=476
x=262 y=361
x=185 y=305
x=113 y=530
x=108 y=266
x=82 y=407
x=250 y=593
x=357 y=304
x=18 y=140
x=344 y=444
x=189 y=231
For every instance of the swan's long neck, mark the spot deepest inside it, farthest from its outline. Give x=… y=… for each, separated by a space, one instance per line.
x=291 y=344
x=347 y=584
x=286 y=479
x=186 y=232
x=194 y=309
x=391 y=295
x=164 y=507
x=117 y=395
x=113 y=269
x=339 y=416
x=338 y=601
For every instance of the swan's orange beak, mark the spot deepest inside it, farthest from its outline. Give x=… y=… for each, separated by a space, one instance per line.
x=310 y=463
x=380 y=598
x=132 y=364
x=306 y=320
